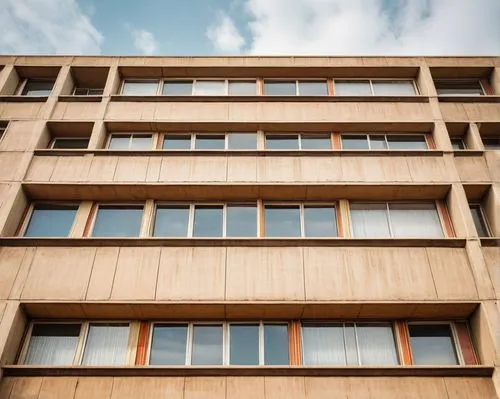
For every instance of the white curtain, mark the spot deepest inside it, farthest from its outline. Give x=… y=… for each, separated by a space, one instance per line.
x=415 y=220
x=55 y=350
x=323 y=345
x=376 y=345
x=369 y=220
x=106 y=345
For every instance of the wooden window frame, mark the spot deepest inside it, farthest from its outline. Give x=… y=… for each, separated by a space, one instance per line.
x=28 y=213
x=89 y=227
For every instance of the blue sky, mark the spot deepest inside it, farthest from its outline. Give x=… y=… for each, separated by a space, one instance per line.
x=250 y=27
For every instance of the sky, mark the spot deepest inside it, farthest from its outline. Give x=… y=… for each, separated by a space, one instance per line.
x=250 y=27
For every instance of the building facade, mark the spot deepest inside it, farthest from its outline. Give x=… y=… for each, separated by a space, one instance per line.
x=249 y=227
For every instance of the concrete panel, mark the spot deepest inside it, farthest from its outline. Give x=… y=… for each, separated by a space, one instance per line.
x=284 y=387
x=77 y=111
x=245 y=388
x=147 y=388
x=102 y=169
x=492 y=259
x=11 y=259
x=25 y=111
x=205 y=387
x=26 y=388
x=13 y=165
x=429 y=169
x=467 y=388
x=71 y=169
x=21 y=136
x=58 y=387
x=41 y=169
x=103 y=274
x=472 y=169
x=94 y=387
x=131 y=169
x=242 y=169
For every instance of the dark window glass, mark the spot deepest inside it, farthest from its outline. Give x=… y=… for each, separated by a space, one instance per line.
x=171 y=221
x=207 y=221
x=139 y=88
x=119 y=142
x=178 y=88
x=168 y=345
x=118 y=221
x=393 y=88
x=85 y=91
x=432 y=345
x=244 y=344
x=53 y=344
x=402 y=142
x=51 y=220
x=70 y=143
x=35 y=88
x=355 y=142
x=313 y=88
x=352 y=88
x=242 y=141
x=369 y=220
x=282 y=142
x=210 y=142
x=177 y=142
x=479 y=222
x=276 y=344
x=457 y=144
x=241 y=221
x=279 y=88
x=377 y=142
x=282 y=221
x=316 y=142
x=491 y=143
x=459 y=87
x=207 y=345
x=320 y=221
x=141 y=142
x=242 y=88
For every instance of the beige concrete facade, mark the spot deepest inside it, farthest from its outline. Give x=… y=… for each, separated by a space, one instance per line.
x=78 y=277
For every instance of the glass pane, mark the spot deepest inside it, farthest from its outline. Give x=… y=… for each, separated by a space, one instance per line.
x=369 y=220
x=313 y=88
x=276 y=344
x=376 y=345
x=142 y=142
x=168 y=345
x=352 y=88
x=323 y=345
x=71 y=143
x=316 y=142
x=51 y=220
x=393 y=88
x=241 y=221
x=177 y=142
x=207 y=221
x=282 y=142
x=244 y=344
x=400 y=142
x=459 y=87
x=432 y=344
x=492 y=143
x=457 y=144
x=119 y=142
x=118 y=221
x=352 y=142
x=479 y=222
x=140 y=88
x=279 y=88
x=242 y=88
x=106 y=345
x=377 y=142
x=53 y=344
x=415 y=220
x=242 y=141
x=38 y=88
x=320 y=221
x=210 y=142
x=210 y=87
x=178 y=88
x=171 y=221
x=207 y=345
x=282 y=221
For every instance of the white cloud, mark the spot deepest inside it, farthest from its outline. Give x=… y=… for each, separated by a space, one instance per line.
x=224 y=35
x=374 y=27
x=46 y=27
x=144 y=41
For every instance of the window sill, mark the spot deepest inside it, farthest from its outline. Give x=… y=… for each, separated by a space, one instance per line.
x=312 y=371
x=230 y=242
x=468 y=153
x=23 y=99
x=490 y=241
x=80 y=99
x=469 y=99
x=263 y=98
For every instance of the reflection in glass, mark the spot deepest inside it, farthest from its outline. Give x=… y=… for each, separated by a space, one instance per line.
x=207 y=345
x=432 y=345
x=323 y=344
x=210 y=87
x=207 y=221
x=402 y=142
x=117 y=221
x=415 y=220
x=177 y=142
x=139 y=88
x=479 y=222
x=282 y=221
x=355 y=142
x=119 y=142
x=276 y=344
x=168 y=345
x=177 y=87
x=393 y=88
x=64 y=143
x=313 y=88
x=141 y=142
x=352 y=88
x=210 y=142
x=106 y=345
x=34 y=88
x=51 y=220
x=377 y=142
x=244 y=344
x=279 y=88
x=316 y=142
x=242 y=88
x=376 y=343
x=282 y=142
x=171 y=221
x=241 y=221
x=320 y=221
x=242 y=141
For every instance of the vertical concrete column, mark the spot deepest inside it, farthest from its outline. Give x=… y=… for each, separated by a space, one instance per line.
x=495 y=80
x=14 y=206
x=442 y=137
x=61 y=81
x=12 y=328
x=98 y=136
x=9 y=80
x=460 y=215
x=113 y=81
x=491 y=207
x=81 y=218
x=425 y=81
x=474 y=141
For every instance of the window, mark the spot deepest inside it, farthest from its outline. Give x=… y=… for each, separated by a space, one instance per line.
x=69 y=143
x=295 y=88
x=203 y=344
x=106 y=344
x=242 y=88
x=130 y=142
x=491 y=143
x=395 y=220
x=118 y=221
x=37 y=87
x=459 y=87
x=177 y=88
x=199 y=220
x=312 y=88
x=384 y=142
x=349 y=344
x=87 y=91
x=140 y=88
x=457 y=144
x=210 y=87
x=177 y=142
x=51 y=220
x=479 y=220
x=374 y=87
x=242 y=141
x=432 y=344
x=300 y=220
x=209 y=142
x=304 y=141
